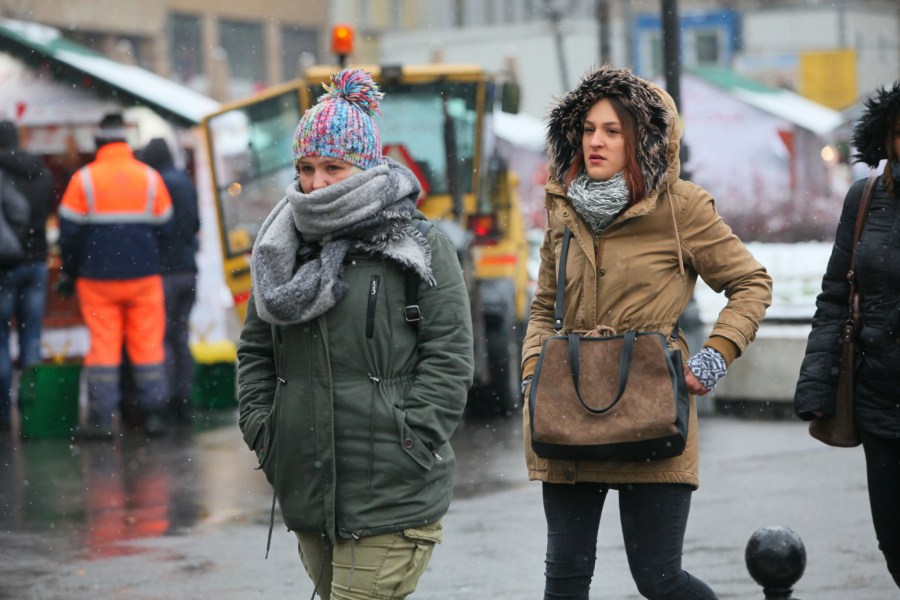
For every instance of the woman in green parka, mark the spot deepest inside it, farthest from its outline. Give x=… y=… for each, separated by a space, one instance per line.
x=356 y=355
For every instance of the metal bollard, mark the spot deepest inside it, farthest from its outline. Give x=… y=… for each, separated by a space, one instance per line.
x=776 y=558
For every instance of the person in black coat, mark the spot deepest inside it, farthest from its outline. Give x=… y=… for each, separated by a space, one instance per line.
x=877 y=378
x=177 y=245
x=23 y=285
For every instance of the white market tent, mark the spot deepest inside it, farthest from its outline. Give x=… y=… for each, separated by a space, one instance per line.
x=40 y=46
x=54 y=85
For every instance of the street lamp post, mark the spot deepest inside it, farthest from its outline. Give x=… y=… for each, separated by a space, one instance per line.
x=603 y=27
x=672 y=50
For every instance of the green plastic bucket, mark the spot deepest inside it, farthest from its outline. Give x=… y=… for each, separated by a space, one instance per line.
x=215 y=375
x=48 y=400
x=215 y=386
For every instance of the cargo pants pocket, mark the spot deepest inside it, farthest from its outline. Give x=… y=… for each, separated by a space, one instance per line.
x=422 y=541
x=384 y=566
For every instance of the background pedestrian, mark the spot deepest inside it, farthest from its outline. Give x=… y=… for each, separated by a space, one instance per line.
x=877 y=378
x=26 y=192
x=613 y=149
x=177 y=246
x=108 y=224
x=350 y=388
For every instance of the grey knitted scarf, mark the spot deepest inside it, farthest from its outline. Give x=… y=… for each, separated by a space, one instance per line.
x=367 y=213
x=598 y=202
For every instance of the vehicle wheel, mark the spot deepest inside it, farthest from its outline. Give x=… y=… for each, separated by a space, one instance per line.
x=503 y=395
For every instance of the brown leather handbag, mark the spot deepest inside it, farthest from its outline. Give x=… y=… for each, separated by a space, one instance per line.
x=840 y=430
x=614 y=397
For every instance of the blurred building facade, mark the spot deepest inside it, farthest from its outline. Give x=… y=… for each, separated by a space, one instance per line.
x=830 y=52
x=225 y=49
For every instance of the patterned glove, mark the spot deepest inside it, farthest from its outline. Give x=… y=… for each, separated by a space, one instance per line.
x=708 y=366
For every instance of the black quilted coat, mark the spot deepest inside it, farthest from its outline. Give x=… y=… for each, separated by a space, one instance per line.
x=878 y=340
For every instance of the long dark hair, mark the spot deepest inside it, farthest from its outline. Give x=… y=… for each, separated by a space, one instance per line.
x=632 y=171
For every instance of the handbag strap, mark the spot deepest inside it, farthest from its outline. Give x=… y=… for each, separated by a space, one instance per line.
x=853 y=317
x=624 y=367
x=561 y=283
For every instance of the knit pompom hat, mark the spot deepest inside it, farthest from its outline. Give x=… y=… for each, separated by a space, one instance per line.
x=340 y=125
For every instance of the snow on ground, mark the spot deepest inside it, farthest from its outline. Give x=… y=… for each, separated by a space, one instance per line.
x=796 y=271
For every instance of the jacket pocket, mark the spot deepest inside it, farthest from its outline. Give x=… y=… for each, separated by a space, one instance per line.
x=267 y=432
x=411 y=443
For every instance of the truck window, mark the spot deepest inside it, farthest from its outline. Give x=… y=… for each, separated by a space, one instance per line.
x=253 y=164
x=412 y=115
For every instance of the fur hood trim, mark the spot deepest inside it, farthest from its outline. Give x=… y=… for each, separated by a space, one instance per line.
x=870 y=133
x=645 y=101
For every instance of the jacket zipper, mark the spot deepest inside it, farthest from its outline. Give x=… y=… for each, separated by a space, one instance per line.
x=370 y=310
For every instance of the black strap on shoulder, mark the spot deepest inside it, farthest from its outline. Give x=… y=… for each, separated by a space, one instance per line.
x=411 y=284
x=561 y=283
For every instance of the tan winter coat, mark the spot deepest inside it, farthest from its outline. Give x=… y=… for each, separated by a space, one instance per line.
x=628 y=278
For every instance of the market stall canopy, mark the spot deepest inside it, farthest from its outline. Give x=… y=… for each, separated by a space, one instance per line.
x=783 y=104
x=45 y=47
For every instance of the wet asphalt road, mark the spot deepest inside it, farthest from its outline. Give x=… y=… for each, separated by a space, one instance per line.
x=186 y=517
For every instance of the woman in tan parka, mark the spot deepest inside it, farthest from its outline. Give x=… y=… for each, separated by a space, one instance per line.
x=613 y=145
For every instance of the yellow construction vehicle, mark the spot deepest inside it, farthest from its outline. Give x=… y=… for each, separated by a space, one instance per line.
x=436 y=119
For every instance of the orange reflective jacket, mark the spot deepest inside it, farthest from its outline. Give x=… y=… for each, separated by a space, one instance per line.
x=109 y=217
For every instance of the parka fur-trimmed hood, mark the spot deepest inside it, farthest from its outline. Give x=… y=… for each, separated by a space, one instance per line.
x=871 y=132
x=648 y=105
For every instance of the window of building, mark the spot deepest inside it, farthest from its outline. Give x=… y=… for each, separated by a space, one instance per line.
x=653 y=53
x=490 y=12
x=459 y=12
x=396 y=16
x=509 y=11
x=245 y=44
x=295 y=42
x=185 y=47
x=363 y=13
x=707 y=47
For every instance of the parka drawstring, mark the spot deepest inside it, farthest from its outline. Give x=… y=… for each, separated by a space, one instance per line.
x=271 y=524
x=275 y=409
x=353 y=539
x=375 y=381
x=321 y=569
x=675 y=224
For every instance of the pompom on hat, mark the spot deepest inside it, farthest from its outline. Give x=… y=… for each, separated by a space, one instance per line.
x=340 y=125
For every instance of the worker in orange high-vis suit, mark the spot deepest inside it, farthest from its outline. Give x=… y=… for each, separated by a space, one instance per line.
x=109 y=220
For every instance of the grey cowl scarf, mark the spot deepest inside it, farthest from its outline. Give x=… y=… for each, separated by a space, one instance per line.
x=367 y=213
x=598 y=202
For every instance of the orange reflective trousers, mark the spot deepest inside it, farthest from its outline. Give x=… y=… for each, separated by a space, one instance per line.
x=132 y=310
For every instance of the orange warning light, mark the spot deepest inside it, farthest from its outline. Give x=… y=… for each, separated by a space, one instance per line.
x=342 y=40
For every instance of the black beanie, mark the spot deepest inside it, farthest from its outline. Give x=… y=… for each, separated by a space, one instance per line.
x=112 y=129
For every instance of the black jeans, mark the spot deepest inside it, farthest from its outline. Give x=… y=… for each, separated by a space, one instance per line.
x=180 y=290
x=883 y=471
x=654 y=517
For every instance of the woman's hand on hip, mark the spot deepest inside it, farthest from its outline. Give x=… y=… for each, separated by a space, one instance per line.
x=693 y=384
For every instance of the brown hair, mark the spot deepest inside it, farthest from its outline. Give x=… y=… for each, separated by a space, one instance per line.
x=632 y=172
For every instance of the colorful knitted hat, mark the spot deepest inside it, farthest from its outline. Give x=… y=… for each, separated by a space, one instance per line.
x=340 y=125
